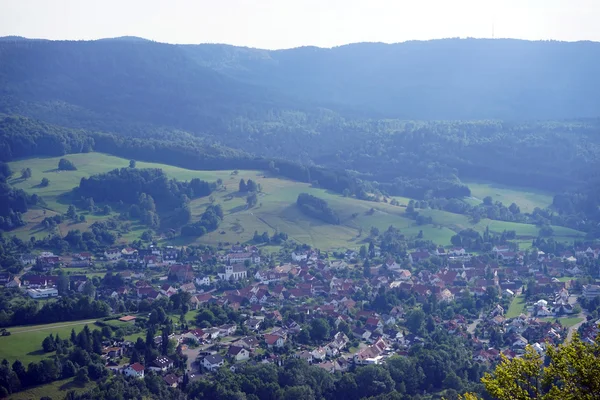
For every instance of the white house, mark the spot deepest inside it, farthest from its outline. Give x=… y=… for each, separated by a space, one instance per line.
x=457 y=251
x=234 y=258
x=112 y=254
x=135 y=369
x=299 y=256
x=28 y=259
x=238 y=353
x=203 y=280
x=228 y=329
x=213 y=362
x=500 y=249
x=274 y=340
x=42 y=293
x=319 y=353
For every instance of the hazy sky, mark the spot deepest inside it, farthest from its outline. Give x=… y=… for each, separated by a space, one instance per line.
x=277 y=24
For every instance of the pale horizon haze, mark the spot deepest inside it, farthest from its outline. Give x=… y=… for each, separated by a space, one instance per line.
x=277 y=24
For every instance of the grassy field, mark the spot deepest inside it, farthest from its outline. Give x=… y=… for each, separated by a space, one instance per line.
x=276 y=208
x=25 y=342
x=567 y=322
x=526 y=198
x=54 y=390
x=517 y=307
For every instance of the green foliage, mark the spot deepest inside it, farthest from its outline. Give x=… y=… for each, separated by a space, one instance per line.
x=317 y=208
x=66 y=165
x=573 y=372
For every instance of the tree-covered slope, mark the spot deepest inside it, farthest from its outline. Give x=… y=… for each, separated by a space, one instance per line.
x=438 y=79
x=121 y=85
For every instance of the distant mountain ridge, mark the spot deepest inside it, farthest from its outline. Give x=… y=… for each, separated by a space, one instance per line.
x=438 y=79
x=449 y=79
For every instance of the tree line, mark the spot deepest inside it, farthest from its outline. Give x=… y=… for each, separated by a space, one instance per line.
x=317 y=208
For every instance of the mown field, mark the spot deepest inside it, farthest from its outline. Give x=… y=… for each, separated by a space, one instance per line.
x=275 y=210
x=526 y=198
x=25 y=342
x=54 y=390
x=517 y=307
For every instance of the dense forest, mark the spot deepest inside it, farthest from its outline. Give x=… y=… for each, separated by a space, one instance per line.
x=222 y=107
x=148 y=193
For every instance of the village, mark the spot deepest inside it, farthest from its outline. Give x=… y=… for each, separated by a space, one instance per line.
x=326 y=310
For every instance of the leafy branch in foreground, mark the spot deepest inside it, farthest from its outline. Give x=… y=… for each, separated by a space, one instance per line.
x=572 y=372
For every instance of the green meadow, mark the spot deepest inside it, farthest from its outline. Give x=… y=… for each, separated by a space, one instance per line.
x=55 y=390
x=275 y=210
x=526 y=198
x=25 y=342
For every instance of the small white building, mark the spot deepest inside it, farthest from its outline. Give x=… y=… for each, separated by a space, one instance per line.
x=42 y=293
x=112 y=254
x=299 y=256
x=203 y=280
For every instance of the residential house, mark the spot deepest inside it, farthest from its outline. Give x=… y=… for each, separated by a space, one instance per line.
x=300 y=256
x=234 y=258
x=167 y=290
x=171 y=380
x=196 y=335
x=212 y=333
x=372 y=354
x=417 y=256
x=253 y=324
x=151 y=261
x=260 y=297
x=213 y=362
x=374 y=324
x=28 y=259
x=338 y=265
x=361 y=333
x=170 y=255
x=183 y=273
x=591 y=291
x=402 y=275
x=148 y=293
x=135 y=370
x=248 y=342
x=274 y=340
x=203 y=280
x=457 y=251
x=42 y=293
x=112 y=254
x=188 y=287
x=319 y=354
x=500 y=249
x=162 y=364
x=227 y=329
x=200 y=299
x=305 y=355
x=238 y=353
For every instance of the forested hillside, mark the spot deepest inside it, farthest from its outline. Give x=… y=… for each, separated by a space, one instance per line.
x=438 y=79
x=314 y=115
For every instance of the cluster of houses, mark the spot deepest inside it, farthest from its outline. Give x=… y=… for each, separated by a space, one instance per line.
x=114 y=351
x=321 y=288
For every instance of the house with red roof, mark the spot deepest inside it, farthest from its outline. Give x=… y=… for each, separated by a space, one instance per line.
x=274 y=340
x=135 y=369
